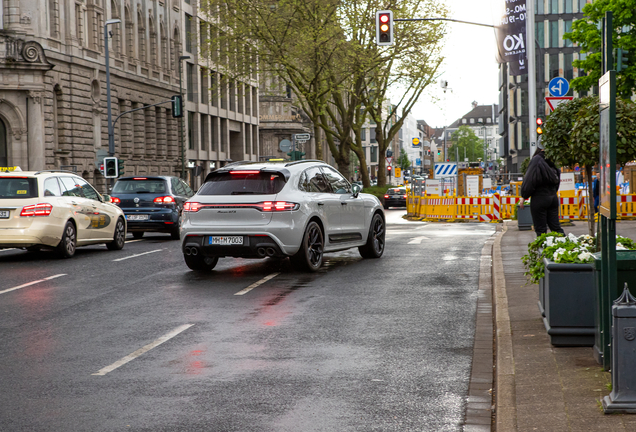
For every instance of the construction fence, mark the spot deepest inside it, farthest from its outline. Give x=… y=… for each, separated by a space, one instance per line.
x=495 y=208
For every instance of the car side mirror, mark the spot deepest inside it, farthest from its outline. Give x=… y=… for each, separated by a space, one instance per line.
x=106 y=198
x=356 y=190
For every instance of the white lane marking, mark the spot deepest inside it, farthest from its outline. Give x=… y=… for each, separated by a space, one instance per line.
x=140 y=351
x=255 y=284
x=137 y=255
x=417 y=240
x=132 y=241
x=6 y=250
x=32 y=283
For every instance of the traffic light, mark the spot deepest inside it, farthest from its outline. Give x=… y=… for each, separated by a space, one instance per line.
x=295 y=155
x=439 y=152
x=384 y=27
x=110 y=167
x=177 y=106
x=621 y=60
x=539 y=126
x=388 y=169
x=120 y=167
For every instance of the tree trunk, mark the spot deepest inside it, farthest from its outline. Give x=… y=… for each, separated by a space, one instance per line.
x=318 y=141
x=590 y=201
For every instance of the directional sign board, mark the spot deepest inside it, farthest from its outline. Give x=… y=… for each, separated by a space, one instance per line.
x=304 y=136
x=559 y=87
x=553 y=102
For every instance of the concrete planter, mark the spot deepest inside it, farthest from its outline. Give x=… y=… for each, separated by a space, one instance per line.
x=569 y=301
x=541 y=301
x=524 y=218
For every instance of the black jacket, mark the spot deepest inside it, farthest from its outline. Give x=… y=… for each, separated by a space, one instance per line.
x=542 y=177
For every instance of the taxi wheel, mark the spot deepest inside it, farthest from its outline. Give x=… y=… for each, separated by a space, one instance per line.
x=310 y=255
x=119 y=238
x=138 y=234
x=67 y=245
x=200 y=263
x=375 y=241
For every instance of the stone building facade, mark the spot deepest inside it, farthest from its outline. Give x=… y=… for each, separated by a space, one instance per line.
x=53 y=87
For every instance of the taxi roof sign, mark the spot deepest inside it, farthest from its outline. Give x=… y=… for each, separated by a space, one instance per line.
x=10 y=169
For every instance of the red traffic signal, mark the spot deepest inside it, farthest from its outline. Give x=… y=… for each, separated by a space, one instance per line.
x=389 y=168
x=539 y=124
x=384 y=27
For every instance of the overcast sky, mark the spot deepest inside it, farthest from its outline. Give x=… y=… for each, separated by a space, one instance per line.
x=470 y=66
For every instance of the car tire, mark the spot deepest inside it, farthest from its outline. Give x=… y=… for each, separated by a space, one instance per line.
x=309 y=256
x=386 y=207
x=174 y=233
x=119 y=237
x=200 y=263
x=33 y=249
x=68 y=244
x=138 y=234
x=374 y=248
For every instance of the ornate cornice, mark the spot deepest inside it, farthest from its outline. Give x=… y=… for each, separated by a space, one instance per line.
x=22 y=54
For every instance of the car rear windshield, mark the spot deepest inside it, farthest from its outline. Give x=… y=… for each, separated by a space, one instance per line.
x=18 y=187
x=396 y=191
x=239 y=183
x=141 y=185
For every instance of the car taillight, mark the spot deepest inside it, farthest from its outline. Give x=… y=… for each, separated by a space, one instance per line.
x=269 y=206
x=405 y=196
x=191 y=207
x=115 y=200
x=164 y=200
x=386 y=196
x=42 y=209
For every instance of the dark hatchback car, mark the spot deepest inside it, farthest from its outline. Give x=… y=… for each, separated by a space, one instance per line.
x=151 y=203
x=395 y=197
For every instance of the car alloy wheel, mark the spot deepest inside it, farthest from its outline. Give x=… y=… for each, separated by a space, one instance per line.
x=68 y=243
x=119 y=238
x=310 y=255
x=374 y=248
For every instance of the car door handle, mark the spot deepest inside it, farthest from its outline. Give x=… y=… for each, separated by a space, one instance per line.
x=321 y=203
x=343 y=203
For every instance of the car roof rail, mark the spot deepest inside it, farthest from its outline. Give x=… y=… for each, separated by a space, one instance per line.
x=54 y=171
x=303 y=161
x=237 y=163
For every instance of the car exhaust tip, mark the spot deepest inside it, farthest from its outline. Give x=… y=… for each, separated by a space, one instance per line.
x=261 y=252
x=187 y=251
x=194 y=251
x=271 y=251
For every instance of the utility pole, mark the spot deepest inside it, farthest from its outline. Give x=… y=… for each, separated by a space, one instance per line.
x=111 y=133
x=532 y=74
x=181 y=128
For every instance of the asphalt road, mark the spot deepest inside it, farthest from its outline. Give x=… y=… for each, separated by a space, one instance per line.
x=134 y=340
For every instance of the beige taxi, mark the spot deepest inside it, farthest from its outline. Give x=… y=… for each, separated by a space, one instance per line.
x=56 y=210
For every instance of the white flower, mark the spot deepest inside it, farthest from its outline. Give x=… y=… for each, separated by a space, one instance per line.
x=560 y=239
x=557 y=253
x=573 y=238
x=620 y=247
x=584 y=256
x=548 y=242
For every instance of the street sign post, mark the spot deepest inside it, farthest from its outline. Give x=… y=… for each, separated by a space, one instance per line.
x=555 y=101
x=303 y=136
x=559 y=87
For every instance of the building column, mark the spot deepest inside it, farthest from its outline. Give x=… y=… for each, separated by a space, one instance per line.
x=173 y=136
x=160 y=115
x=35 y=131
x=151 y=125
x=139 y=132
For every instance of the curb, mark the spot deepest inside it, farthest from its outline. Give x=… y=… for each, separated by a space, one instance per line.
x=505 y=397
x=479 y=405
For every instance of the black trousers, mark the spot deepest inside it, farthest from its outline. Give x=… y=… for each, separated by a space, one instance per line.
x=545 y=213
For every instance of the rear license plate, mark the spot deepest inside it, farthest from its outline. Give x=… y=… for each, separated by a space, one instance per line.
x=226 y=240
x=137 y=217
x=4 y=214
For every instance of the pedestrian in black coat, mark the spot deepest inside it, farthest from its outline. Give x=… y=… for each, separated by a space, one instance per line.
x=541 y=183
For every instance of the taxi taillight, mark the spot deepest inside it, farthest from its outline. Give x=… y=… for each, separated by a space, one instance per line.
x=42 y=209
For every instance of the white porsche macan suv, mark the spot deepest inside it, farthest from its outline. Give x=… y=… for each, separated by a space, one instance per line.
x=299 y=209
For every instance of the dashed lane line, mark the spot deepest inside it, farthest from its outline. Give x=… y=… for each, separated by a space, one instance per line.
x=256 y=284
x=140 y=351
x=138 y=255
x=418 y=240
x=132 y=241
x=32 y=283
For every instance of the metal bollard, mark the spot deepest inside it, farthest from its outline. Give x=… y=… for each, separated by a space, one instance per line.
x=622 y=399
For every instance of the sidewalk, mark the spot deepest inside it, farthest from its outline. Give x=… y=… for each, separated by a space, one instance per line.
x=540 y=387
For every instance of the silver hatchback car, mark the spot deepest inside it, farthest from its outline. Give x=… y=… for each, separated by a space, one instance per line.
x=296 y=209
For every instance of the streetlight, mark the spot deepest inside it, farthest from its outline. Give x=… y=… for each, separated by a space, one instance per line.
x=111 y=135
x=181 y=128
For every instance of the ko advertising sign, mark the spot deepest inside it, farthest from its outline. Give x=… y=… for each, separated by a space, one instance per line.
x=511 y=36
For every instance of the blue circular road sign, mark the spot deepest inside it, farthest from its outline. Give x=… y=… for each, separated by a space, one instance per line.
x=559 y=87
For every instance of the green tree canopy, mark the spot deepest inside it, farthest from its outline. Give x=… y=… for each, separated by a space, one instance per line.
x=465 y=140
x=403 y=160
x=587 y=33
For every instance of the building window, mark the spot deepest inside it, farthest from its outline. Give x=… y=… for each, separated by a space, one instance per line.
x=567 y=66
x=539 y=33
x=568 y=28
x=204 y=131
x=232 y=96
x=538 y=7
x=567 y=7
x=190 y=130
x=241 y=99
x=374 y=154
x=248 y=101
x=130 y=35
x=363 y=134
x=554 y=6
x=204 y=86
x=213 y=140
x=203 y=36
x=472 y=121
x=190 y=80
x=223 y=94
x=165 y=63
x=54 y=28
x=582 y=4
x=554 y=66
x=372 y=136
x=463 y=121
x=554 y=34
x=213 y=90
x=188 y=33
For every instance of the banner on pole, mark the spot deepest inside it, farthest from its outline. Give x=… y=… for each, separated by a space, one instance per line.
x=511 y=36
